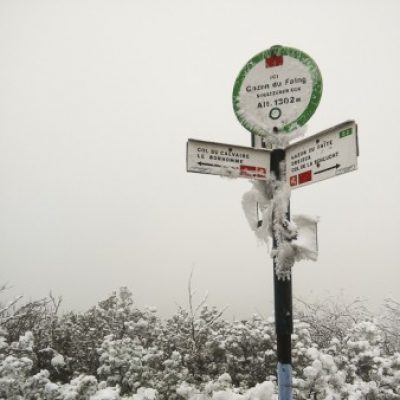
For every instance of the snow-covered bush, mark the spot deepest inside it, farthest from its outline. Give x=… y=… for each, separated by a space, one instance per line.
x=389 y=322
x=117 y=351
x=249 y=350
x=321 y=378
x=221 y=389
x=15 y=365
x=130 y=365
x=331 y=318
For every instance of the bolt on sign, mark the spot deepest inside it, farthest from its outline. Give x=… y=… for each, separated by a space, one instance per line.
x=227 y=160
x=277 y=91
x=324 y=155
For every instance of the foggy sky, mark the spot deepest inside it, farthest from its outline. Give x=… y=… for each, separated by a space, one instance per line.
x=97 y=101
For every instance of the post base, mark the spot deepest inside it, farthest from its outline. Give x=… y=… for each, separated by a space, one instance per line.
x=285 y=381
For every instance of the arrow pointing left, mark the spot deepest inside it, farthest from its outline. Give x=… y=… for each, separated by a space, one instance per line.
x=227 y=160
x=216 y=165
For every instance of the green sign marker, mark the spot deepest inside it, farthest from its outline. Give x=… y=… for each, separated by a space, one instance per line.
x=277 y=91
x=346 y=132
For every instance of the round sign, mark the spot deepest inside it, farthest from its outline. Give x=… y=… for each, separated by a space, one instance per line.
x=277 y=91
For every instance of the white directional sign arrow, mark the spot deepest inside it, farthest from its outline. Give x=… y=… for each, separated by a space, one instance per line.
x=324 y=155
x=227 y=160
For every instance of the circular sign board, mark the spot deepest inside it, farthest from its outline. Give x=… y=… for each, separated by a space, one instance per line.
x=277 y=91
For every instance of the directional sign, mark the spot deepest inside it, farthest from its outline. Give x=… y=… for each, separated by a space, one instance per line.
x=325 y=155
x=278 y=90
x=227 y=160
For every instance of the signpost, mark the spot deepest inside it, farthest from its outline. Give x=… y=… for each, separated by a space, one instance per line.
x=325 y=155
x=277 y=91
x=227 y=160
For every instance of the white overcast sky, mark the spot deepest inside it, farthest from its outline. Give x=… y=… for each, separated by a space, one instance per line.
x=97 y=100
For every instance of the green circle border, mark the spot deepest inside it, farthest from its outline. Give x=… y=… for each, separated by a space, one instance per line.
x=315 y=93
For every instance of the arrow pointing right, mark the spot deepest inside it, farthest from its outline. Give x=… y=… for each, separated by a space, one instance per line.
x=327 y=169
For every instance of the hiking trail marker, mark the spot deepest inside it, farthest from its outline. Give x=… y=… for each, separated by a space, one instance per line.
x=227 y=160
x=324 y=155
x=277 y=91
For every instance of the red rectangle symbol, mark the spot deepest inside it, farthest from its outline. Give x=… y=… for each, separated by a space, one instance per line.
x=251 y=171
x=273 y=61
x=305 y=177
x=293 y=180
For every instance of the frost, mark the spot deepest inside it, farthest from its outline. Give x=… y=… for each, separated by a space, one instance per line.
x=108 y=393
x=312 y=353
x=306 y=241
x=146 y=394
x=58 y=361
x=3 y=343
x=50 y=389
x=26 y=341
x=261 y=391
x=257 y=208
x=272 y=139
x=265 y=207
x=186 y=391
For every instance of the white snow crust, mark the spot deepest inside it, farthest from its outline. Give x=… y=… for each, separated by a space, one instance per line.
x=265 y=207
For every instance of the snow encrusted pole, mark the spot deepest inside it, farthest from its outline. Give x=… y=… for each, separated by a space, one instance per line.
x=283 y=303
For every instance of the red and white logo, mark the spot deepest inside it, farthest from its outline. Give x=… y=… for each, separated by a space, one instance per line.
x=293 y=180
x=256 y=172
x=273 y=61
x=305 y=177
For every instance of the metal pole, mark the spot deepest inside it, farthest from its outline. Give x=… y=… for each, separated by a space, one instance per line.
x=283 y=307
x=282 y=299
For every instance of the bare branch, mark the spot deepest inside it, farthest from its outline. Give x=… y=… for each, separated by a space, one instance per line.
x=10 y=304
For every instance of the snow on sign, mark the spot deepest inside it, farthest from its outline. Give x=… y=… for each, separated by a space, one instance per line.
x=227 y=160
x=278 y=90
x=324 y=155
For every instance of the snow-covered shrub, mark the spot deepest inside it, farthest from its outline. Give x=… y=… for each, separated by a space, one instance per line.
x=125 y=362
x=321 y=379
x=249 y=350
x=301 y=344
x=389 y=322
x=77 y=336
x=145 y=394
x=171 y=376
x=221 y=389
x=15 y=365
x=117 y=351
x=330 y=319
x=39 y=386
x=195 y=336
x=108 y=393
x=363 y=350
x=130 y=365
x=80 y=388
